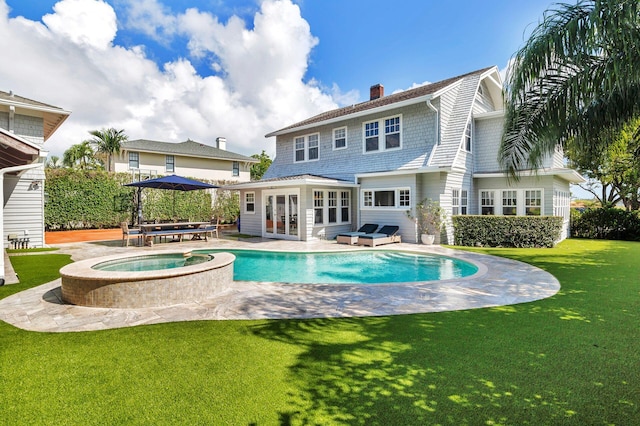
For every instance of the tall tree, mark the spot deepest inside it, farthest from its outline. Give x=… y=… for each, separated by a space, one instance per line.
x=54 y=162
x=616 y=169
x=577 y=75
x=107 y=142
x=259 y=169
x=80 y=156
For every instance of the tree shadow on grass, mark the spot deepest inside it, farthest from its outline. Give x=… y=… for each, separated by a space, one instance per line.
x=535 y=363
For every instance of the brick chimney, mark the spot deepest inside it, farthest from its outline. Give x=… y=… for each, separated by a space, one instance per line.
x=376 y=91
x=221 y=143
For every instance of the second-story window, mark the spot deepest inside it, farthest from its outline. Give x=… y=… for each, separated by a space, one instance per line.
x=466 y=142
x=169 y=163
x=391 y=134
x=306 y=148
x=134 y=160
x=236 y=168
x=340 y=138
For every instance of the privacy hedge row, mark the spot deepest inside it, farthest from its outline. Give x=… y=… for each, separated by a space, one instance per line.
x=507 y=231
x=606 y=224
x=86 y=199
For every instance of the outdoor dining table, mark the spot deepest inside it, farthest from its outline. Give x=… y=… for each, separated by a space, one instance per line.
x=149 y=230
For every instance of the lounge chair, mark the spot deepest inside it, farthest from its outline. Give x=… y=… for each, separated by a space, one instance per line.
x=129 y=233
x=352 y=237
x=386 y=235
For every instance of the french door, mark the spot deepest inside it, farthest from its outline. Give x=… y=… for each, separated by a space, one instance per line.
x=280 y=215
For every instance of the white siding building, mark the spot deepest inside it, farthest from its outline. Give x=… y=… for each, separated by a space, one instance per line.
x=372 y=162
x=25 y=125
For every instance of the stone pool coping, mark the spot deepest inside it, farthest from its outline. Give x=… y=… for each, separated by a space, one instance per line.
x=499 y=282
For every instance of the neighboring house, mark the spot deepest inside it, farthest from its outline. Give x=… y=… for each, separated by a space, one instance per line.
x=25 y=125
x=374 y=161
x=189 y=159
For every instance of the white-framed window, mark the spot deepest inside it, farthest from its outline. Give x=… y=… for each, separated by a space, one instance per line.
x=169 y=163
x=459 y=201
x=487 y=202
x=134 y=160
x=390 y=127
x=318 y=207
x=332 y=203
x=533 y=202
x=345 y=206
x=306 y=148
x=386 y=198
x=561 y=203
x=331 y=207
x=340 y=138
x=466 y=141
x=235 y=168
x=250 y=202
x=404 y=197
x=509 y=202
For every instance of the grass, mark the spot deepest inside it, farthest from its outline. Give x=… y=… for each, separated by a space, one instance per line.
x=570 y=359
x=31 y=250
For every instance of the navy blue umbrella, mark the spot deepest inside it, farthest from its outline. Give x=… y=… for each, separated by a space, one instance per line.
x=174 y=182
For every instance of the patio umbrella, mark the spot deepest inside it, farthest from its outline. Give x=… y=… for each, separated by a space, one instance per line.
x=173 y=182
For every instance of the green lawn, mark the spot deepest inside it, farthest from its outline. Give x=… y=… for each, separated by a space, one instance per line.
x=570 y=359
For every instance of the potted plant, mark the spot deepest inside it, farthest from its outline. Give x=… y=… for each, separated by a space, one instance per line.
x=429 y=217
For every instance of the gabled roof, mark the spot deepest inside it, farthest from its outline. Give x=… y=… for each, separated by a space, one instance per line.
x=187 y=148
x=53 y=116
x=428 y=90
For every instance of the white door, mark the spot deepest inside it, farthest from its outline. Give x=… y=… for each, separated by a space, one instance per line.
x=280 y=215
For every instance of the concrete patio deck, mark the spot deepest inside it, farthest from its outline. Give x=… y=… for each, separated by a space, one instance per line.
x=498 y=282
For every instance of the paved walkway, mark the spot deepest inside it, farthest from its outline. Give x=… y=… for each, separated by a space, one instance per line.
x=498 y=282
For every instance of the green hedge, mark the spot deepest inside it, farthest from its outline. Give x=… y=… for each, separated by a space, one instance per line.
x=507 y=231
x=81 y=199
x=606 y=224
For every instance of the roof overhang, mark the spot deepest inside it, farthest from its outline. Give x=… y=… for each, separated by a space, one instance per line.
x=358 y=114
x=403 y=172
x=52 y=117
x=16 y=151
x=569 y=175
x=284 y=183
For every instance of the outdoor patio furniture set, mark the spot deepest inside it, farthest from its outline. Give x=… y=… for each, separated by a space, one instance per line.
x=177 y=230
x=368 y=236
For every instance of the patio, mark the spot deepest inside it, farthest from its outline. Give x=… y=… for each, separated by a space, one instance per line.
x=499 y=282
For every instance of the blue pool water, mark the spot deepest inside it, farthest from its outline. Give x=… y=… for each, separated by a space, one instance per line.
x=151 y=262
x=366 y=267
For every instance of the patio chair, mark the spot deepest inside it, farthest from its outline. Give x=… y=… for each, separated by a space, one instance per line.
x=386 y=235
x=352 y=237
x=127 y=234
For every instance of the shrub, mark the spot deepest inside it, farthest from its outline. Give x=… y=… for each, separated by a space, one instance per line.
x=606 y=224
x=507 y=231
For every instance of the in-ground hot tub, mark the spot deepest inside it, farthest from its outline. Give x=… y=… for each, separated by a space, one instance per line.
x=157 y=278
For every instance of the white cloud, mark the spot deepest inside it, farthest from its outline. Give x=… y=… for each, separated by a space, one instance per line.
x=88 y=22
x=70 y=60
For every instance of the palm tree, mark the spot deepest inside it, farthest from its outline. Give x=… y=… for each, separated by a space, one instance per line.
x=108 y=142
x=54 y=162
x=80 y=155
x=577 y=77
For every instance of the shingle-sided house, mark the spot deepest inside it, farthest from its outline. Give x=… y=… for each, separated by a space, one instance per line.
x=189 y=158
x=25 y=125
x=372 y=162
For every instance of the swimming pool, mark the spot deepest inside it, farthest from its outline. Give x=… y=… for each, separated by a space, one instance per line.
x=362 y=267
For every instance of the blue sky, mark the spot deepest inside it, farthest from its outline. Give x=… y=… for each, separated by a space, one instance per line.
x=172 y=70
